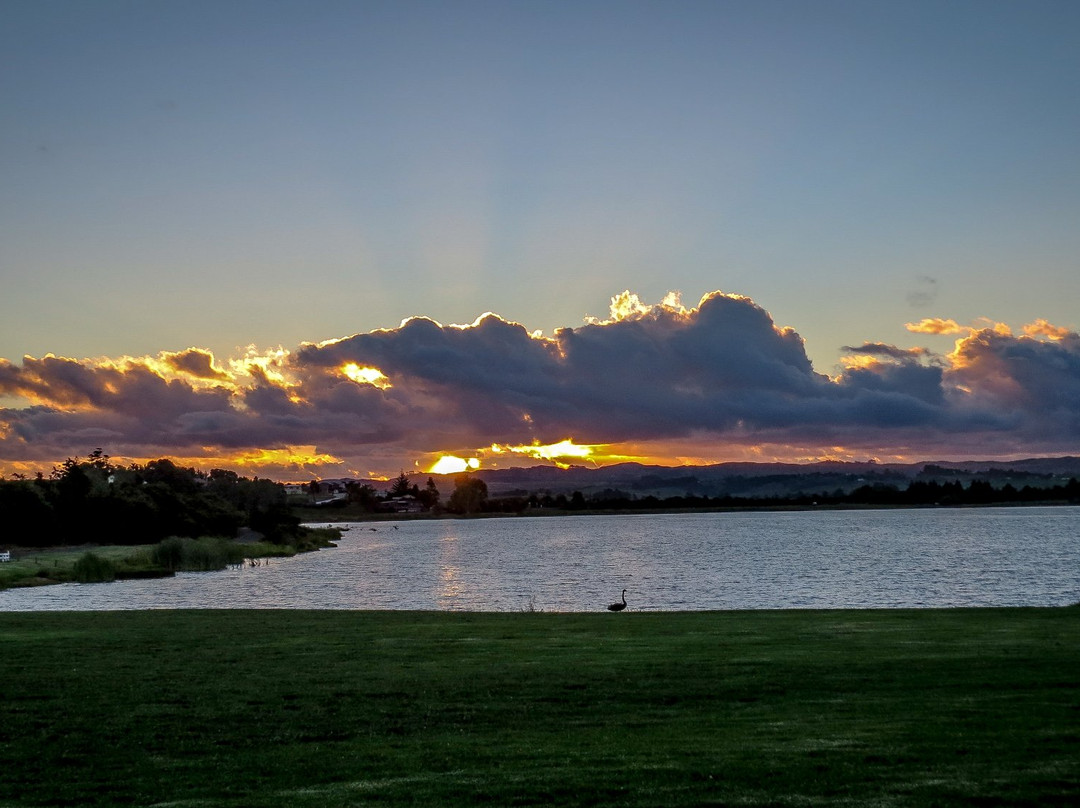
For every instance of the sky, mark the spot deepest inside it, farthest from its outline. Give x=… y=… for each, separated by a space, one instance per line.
x=331 y=238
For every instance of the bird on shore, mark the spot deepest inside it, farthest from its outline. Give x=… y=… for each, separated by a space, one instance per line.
x=618 y=607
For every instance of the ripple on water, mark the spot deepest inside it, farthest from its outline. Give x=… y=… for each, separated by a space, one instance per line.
x=813 y=559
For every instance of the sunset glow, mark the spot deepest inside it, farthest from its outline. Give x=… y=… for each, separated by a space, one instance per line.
x=270 y=364
x=554 y=451
x=451 y=464
x=560 y=453
x=698 y=391
x=286 y=457
x=365 y=375
x=869 y=242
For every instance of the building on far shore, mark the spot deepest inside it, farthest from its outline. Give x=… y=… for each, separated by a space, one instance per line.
x=404 y=504
x=317 y=492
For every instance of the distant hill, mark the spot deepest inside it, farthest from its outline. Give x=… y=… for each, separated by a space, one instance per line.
x=768 y=479
x=638 y=480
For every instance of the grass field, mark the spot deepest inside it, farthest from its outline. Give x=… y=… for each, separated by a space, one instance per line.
x=53 y=564
x=304 y=708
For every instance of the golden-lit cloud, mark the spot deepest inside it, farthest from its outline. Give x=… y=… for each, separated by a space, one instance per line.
x=291 y=462
x=287 y=457
x=936 y=325
x=859 y=361
x=1041 y=328
x=366 y=375
x=196 y=363
x=267 y=364
x=562 y=450
x=564 y=453
x=628 y=306
x=662 y=383
x=877 y=356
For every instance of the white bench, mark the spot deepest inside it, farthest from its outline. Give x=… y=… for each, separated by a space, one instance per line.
x=5 y=556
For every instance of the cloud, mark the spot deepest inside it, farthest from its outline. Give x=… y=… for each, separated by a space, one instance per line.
x=1041 y=328
x=882 y=349
x=935 y=325
x=1034 y=379
x=924 y=293
x=195 y=362
x=716 y=379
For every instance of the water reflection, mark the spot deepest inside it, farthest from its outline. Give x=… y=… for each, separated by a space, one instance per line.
x=830 y=559
x=451 y=589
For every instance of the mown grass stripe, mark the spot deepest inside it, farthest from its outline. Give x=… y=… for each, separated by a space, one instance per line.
x=254 y=708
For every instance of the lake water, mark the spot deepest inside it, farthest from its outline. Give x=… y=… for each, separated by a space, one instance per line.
x=808 y=559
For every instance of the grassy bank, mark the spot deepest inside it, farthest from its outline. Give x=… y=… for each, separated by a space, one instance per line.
x=308 y=708
x=93 y=563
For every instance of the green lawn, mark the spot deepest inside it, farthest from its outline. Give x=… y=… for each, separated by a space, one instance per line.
x=305 y=708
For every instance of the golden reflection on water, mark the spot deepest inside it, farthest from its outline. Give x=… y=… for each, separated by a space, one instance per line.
x=451 y=589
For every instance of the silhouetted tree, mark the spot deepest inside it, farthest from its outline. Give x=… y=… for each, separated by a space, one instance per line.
x=167 y=473
x=470 y=494
x=400 y=487
x=362 y=494
x=429 y=496
x=99 y=460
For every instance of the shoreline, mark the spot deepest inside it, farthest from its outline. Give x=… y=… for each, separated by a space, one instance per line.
x=338 y=515
x=31 y=567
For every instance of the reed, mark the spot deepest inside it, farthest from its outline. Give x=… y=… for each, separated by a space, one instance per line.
x=197 y=555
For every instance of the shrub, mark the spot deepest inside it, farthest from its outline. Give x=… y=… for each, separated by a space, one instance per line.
x=93 y=569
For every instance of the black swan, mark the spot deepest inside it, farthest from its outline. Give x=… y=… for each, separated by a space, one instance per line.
x=618 y=607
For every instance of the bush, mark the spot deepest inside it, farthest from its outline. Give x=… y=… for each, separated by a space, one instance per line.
x=93 y=569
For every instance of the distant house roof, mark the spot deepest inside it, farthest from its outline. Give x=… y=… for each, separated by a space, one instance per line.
x=405 y=504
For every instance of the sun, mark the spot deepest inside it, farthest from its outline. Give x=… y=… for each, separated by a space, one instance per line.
x=452 y=464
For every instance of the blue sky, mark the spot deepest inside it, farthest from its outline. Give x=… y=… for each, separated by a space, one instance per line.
x=218 y=175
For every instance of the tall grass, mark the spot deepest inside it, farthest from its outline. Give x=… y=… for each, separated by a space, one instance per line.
x=210 y=553
x=197 y=555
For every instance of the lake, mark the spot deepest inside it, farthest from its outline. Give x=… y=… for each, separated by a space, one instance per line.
x=759 y=560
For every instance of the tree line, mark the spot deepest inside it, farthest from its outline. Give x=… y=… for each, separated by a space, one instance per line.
x=917 y=493
x=93 y=500
x=470 y=495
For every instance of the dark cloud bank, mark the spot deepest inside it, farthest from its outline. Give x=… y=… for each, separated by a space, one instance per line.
x=722 y=374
